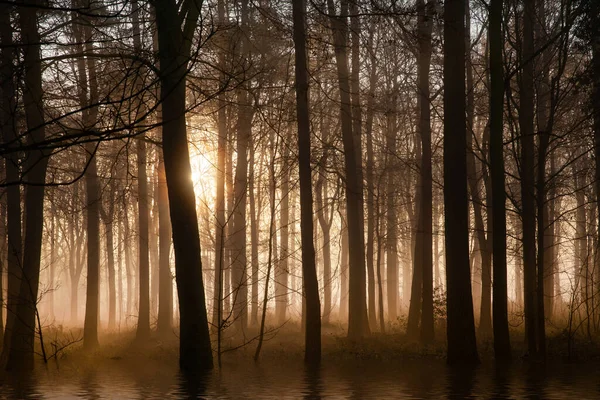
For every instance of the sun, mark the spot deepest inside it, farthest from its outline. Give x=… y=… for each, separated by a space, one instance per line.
x=203 y=166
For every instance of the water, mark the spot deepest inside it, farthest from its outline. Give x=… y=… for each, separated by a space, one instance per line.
x=285 y=379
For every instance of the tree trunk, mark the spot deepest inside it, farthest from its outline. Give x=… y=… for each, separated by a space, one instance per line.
x=527 y=177
x=312 y=352
x=21 y=350
x=143 y=326
x=195 y=351
x=371 y=185
x=462 y=346
x=165 y=281
x=357 y=308
x=595 y=12
x=391 y=244
x=254 y=238
x=425 y=26
x=13 y=192
x=500 y=293
x=239 y=274
x=220 y=199
x=325 y=217
x=281 y=281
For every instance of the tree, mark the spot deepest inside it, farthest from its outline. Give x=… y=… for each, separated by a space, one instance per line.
x=500 y=292
x=462 y=346
x=143 y=327
x=13 y=192
x=312 y=352
x=358 y=325
x=526 y=116
x=88 y=100
x=175 y=35
x=425 y=26
x=20 y=350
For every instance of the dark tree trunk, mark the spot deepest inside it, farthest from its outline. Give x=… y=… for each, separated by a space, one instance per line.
x=462 y=346
x=165 y=281
x=89 y=105
x=500 y=293
x=312 y=354
x=425 y=26
x=391 y=239
x=14 y=259
x=527 y=176
x=239 y=274
x=220 y=199
x=110 y=255
x=358 y=325
x=254 y=239
x=21 y=350
x=195 y=351
x=485 y=321
x=371 y=185
x=595 y=12
x=281 y=276
x=92 y=299
x=143 y=326
x=325 y=216
x=343 y=313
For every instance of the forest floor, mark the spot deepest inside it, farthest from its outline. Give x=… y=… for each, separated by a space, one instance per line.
x=285 y=344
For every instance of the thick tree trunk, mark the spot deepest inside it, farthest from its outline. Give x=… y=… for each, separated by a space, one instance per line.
x=312 y=353
x=425 y=26
x=357 y=308
x=526 y=117
x=13 y=192
x=500 y=293
x=195 y=351
x=462 y=346
x=21 y=350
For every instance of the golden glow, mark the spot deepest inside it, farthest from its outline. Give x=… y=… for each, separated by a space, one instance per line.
x=203 y=165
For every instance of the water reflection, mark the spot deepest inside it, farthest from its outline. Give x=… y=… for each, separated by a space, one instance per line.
x=193 y=385
x=20 y=386
x=313 y=383
x=88 y=386
x=278 y=379
x=460 y=382
x=501 y=381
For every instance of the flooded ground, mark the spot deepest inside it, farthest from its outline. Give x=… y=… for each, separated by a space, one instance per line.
x=286 y=379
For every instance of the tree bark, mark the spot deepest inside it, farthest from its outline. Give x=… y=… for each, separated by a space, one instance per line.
x=462 y=346
x=425 y=26
x=502 y=350
x=195 y=351
x=165 y=281
x=21 y=350
x=526 y=117
x=358 y=325
x=312 y=353
x=13 y=192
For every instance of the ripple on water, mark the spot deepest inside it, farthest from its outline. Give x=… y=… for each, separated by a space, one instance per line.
x=288 y=380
